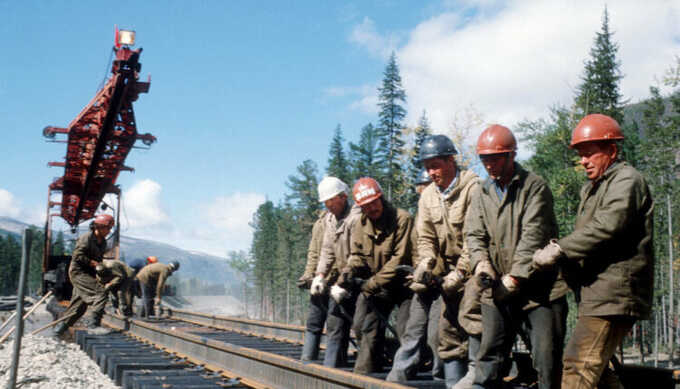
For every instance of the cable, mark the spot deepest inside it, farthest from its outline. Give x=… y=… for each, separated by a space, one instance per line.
x=106 y=71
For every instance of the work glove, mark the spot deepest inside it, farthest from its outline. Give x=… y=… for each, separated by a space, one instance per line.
x=453 y=282
x=508 y=287
x=318 y=285
x=338 y=293
x=370 y=287
x=423 y=272
x=485 y=272
x=107 y=287
x=304 y=282
x=157 y=306
x=417 y=287
x=548 y=255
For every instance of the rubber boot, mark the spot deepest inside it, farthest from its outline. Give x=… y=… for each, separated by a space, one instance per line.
x=95 y=328
x=469 y=378
x=60 y=329
x=310 y=350
x=454 y=370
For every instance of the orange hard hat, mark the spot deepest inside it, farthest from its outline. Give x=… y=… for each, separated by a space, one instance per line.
x=151 y=259
x=496 y=139
x=104 y=219
x=366 y=190
x=596 y=127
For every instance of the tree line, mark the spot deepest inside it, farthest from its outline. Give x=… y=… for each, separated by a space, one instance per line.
x=387 y=150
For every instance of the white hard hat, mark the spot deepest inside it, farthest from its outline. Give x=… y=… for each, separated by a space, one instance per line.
x=330 y=187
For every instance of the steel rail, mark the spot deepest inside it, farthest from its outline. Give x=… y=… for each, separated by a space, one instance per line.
x=257 y=367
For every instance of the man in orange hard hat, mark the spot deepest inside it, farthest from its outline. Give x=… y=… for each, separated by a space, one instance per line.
x=609 y=254
x=87 y=291
x=510 y=217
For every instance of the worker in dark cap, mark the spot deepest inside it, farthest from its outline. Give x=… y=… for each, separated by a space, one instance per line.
x=152 y=280
x=117 y=279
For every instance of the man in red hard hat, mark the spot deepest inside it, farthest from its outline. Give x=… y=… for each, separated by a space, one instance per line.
x=609 y=254
x=380 y=241
x=510 y=217
x=87 y=291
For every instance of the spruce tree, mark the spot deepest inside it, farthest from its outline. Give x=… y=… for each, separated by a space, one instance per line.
x=263 y=251
x=421 y=132
x=390 y=144
x=363 y=155
x=338 y=164
x=303 y=193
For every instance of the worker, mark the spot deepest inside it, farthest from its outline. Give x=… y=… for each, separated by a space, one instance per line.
x=335 y=250
x=422 y=326
x=380 y=241
x=152 y=279
x=87 y=291
x=117 y=279
x=510 y=217
x=318 y=303
x=138 y=264
x=442 y=253
x=608 y=259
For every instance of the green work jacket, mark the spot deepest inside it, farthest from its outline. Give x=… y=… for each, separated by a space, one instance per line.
x=506 y=232
x=610 y=250
x=87 y=248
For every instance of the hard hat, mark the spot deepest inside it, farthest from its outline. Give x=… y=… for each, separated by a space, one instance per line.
x=104 y=219
x=423 y=178
x=330 y=187
x=366 y=190
x=496 y=139
x=175 y=265
x=151 y=259
x=436 y=146
x=596 y=127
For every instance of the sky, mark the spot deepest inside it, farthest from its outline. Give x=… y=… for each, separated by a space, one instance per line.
x=243 y=92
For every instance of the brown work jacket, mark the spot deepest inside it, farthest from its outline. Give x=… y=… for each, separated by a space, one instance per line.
x=378 y=247
x=155 y=274
x=87 y=249
x=610 y=252
x=335 y=248
x=440 y=224
x=314 y=249
x=507 y=232
x=120 y=273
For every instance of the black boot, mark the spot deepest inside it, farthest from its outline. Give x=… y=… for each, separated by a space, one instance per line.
x=60 y=329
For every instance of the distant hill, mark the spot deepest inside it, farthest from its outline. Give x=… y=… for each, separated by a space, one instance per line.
x=193 y=264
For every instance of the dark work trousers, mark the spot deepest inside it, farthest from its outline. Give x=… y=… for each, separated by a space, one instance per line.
x=318 y=307
x=338 y=326
x=545 y=325
x=377 y=308
x=87 y=292
x=148 y=294
x=421 y=329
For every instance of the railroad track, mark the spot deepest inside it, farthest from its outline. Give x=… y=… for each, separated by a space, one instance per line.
x=188 y=347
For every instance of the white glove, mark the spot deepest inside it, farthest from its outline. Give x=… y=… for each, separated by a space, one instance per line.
x=507 y=288
x=318 y=285
x=417 y=287
x=548 y=255
x=484 y=267
x=452 y=282
x=423 y=272
x=338 y=293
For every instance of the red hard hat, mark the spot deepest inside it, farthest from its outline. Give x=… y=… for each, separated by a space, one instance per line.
x=104 y=219
x=596 y=127
x=496 y=139
x=151 y=259
x=366 y=190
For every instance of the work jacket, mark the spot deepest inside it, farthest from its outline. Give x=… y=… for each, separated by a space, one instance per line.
x=314 y=249
x=335 y=247
x=440 y=224
x=506 y=232
x=119 y=273
x=87 y=249
x=611 y=245
x=378 y=247
x=155 y=274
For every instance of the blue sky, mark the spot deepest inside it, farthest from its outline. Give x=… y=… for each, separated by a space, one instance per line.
x=242 y=94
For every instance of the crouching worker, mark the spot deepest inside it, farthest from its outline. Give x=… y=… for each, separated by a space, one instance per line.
x=152 y=280
x=87 y=291
x=117 y=279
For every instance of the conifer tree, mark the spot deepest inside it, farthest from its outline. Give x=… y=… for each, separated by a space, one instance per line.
x=263 y=251
x=420 y=133
x=363 y=155
x=303 y=193
x=338 y=164
x=390 y=144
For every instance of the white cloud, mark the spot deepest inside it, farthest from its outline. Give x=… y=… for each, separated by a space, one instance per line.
x=513 y=60
x=142 y=206
x=9 y=206
x=365 y=35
